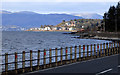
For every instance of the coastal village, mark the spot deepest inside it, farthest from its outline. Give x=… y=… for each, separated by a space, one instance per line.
x=71 y=26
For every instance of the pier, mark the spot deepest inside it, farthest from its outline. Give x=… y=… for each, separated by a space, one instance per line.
x=57 y=57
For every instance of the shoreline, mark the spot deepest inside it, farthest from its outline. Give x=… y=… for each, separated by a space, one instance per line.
x=53 y=30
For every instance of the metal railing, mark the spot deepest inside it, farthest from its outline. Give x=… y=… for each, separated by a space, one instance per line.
x=57 y=57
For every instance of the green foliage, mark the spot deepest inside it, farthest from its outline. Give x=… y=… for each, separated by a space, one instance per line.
x=112 y=19
x=88 y=23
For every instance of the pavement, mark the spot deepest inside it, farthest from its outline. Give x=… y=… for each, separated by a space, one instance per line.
x=99 y=66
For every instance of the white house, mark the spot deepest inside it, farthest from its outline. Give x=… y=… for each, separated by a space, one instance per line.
x=31 y=28
x=64 y=28
x=71 y=28
x=41 y=28
x=54 y=28
x=47 y=28
x=68 y=24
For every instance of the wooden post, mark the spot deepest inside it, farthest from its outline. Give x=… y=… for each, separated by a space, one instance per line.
x=117 y=48
x=50 y=57
x=6 y=63
x=66 y=51
x=91 y=51
x=23 y=61
x=61 y=55
x=87 y=52
x=101 y=50
x=71 y=54
x=30 y=60
x=56 y=56
x=94 y=50
x=16 y=62
x=44 y=62
x=83 y=52
x=107 y=49
x=38 y=61
x=75 y=54
x=79 y=52
x=97 y=50
x=114 y=48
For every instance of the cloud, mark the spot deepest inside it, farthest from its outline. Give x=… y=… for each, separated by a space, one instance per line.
x=60 y=0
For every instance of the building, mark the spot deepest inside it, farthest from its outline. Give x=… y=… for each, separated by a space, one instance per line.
x=64 y=28
x=47 y=28
x=71 y=28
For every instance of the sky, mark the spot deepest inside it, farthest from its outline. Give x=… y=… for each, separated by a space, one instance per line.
x=59 y=6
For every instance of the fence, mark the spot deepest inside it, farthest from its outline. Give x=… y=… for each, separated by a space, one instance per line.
x=42 y=59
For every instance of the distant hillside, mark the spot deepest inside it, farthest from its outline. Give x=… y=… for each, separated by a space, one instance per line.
x=87 y=23
x=31 y=19
x=89 y=15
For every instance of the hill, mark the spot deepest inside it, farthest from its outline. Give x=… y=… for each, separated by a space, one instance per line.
x=89 y=15
x=31 y=19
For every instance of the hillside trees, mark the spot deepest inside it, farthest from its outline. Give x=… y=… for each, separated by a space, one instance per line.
x=112 y=19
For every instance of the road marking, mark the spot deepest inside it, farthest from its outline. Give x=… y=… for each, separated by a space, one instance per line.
x=118 y=66
x=104 y=71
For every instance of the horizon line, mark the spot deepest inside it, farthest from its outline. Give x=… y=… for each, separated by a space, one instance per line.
x=70 y=13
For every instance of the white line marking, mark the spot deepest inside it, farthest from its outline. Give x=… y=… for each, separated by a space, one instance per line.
x=104 y=71
x=118 y=66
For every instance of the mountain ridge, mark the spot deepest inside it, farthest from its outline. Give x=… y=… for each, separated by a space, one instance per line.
x=32 y=19
x=88 y=15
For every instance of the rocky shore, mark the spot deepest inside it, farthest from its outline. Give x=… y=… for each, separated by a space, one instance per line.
x=111 y=36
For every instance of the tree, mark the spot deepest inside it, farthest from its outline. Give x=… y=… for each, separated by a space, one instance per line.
x=41 y=26
x=63 y=21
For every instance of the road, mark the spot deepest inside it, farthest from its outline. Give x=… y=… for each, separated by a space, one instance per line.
x=98 y=66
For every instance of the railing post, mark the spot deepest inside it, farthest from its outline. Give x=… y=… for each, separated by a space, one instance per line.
x=56 y=56
x=6 y=63
x=23 y=61
x=87 y=52
x=71 y=54
x=101 y=50
x=44 y=61
x=38 y=61
x=83 y=52
x=107 y=49
x=50 y=56
x=114 y=48
x=117 y=48
x=16 y=62
x=91 y=51
x=30 y=60
x=79 y=52
x=66 y=55
x=94 y=50
x=61 y=52
x=97 y=50
x=75 y=54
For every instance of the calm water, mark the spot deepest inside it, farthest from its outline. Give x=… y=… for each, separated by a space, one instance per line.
x=13 y=41
x=18 y=41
